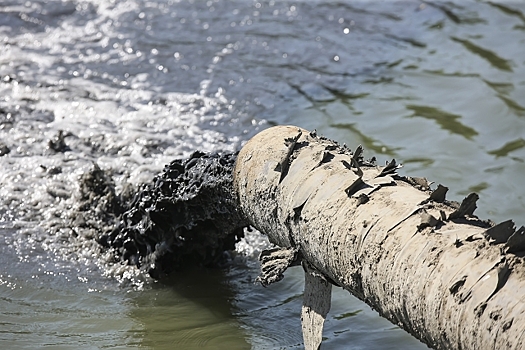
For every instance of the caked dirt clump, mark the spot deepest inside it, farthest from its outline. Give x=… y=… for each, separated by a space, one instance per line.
x=187 y=216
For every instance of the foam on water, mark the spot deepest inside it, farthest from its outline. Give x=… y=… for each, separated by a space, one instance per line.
x=131 y=133
x=132 y=138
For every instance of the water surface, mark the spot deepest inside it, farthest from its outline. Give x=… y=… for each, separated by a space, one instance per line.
x=440 y=86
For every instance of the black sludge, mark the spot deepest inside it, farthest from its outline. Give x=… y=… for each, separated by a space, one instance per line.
x=188 y=215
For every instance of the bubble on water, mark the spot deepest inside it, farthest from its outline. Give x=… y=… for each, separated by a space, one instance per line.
x=252 y=244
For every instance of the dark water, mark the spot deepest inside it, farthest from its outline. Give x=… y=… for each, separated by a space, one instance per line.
x=440 y=86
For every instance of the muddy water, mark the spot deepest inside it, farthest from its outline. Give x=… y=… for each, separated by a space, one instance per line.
x=135 y=84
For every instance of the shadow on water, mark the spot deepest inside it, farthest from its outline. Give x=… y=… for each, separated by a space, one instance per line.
x=190 y=310
x=495 y=60
x=503 y=91
x=368 y=142
x=447 y=121
x=508 y=148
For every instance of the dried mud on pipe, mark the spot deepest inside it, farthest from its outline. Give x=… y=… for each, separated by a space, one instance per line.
x=425 y=263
